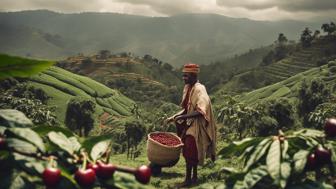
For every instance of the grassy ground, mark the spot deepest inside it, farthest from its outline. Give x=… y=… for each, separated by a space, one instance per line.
x=208 y=174
x=286 y=88
x=61 y=85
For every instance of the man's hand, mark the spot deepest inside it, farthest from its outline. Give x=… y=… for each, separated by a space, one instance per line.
x=179 y=119
x=168 y=120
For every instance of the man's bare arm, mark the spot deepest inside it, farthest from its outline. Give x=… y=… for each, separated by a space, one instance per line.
x=186 y=116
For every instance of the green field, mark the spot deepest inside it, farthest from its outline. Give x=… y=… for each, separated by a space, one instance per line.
x=298 y=61
x=62 y=85
x=287 y=88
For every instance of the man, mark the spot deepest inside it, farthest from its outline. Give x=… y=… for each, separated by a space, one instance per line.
x=195 y=124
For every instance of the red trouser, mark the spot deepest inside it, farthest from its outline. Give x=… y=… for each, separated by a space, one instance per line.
x=190 y=150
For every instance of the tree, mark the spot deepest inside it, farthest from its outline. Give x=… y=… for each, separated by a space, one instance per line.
x=282 y=111
x=239 y=117
x=310 y=96
x=329 y=28
x=325 y=27
x=79 y=115
x=167 y=66
x=306 y=37
x=104 y=54
x=281 y=49
x=29 y=100
x=268 y=59
x=321 y=113
x=332 y=27
x=267 y=126
x=135 y=131
x=282 y=39
x=279 y=52
x=86 y=62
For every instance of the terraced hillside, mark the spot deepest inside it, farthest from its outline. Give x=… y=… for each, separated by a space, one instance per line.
x=62 y=85
x=298 y=61
x=140 y=78
x=289 y=87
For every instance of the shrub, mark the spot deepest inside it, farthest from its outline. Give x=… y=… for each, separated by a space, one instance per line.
x=79 y=115
x=332 y=69
x=331 y=63
x=267 y=126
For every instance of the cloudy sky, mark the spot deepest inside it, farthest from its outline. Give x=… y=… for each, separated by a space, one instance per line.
x=253 y=9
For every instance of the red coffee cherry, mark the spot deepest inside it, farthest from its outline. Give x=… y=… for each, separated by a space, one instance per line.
x=143 y=174
x=51 y=177
x=85 y=178
x=165 y=139
x=330 y=127
x=105 y=171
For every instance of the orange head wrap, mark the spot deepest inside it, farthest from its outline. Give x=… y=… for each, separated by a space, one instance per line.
x=191 y=68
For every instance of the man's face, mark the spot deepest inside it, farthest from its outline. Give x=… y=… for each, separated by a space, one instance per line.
x=189 y=78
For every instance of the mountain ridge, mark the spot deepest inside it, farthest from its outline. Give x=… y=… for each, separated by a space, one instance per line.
x=177 y=39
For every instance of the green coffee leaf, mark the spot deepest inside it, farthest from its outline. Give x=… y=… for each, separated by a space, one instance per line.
x=44 y=130
x=14 y=118
x=67 y=175
x=254 y=176
x=258 y=153
x=28 y=135
x=21 y=146
x=91 y=141
x=300 y=159
x=13 y=66
x=99 y=149
x=237 y=148
x=285 y=173
x=29 y=164
x=2 y=130
x=312 y=133
x=284 y=146
x=75 y=144
x=273 y=161
x=60 y=140
x=15 y=180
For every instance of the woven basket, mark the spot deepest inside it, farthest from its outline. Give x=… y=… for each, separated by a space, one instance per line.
x=160 y=154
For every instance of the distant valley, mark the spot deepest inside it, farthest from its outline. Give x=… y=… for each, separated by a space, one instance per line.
x=198 y=38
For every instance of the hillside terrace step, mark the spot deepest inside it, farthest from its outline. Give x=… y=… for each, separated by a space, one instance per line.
x=311 y=50
x=301 y=56
x=274 y=78
x=303 y=53
x=299 y=64
x=286 y=60
x=282 y=74
x=290 y=61
x=290 y=66
x=283 y=70
x=289 y=69
x=298 y=59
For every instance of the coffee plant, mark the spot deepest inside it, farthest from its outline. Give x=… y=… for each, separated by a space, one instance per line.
x=301 y=159
x=38 y=156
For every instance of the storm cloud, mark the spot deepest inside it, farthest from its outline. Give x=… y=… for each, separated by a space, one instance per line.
x=253 y=9
x=288 y=5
